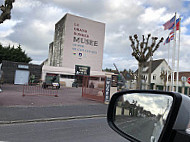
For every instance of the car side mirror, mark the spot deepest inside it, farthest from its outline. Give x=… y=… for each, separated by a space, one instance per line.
x=148 y=116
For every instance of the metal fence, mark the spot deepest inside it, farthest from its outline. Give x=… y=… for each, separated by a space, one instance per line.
x=93 y=88
x=36 y=89
x=183 y=90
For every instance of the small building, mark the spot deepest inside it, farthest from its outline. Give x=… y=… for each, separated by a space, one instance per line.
x=158 y=68
x=183 y=85
x=182 y=78
x=159 y=71
x=159 y=80
x=19 y=73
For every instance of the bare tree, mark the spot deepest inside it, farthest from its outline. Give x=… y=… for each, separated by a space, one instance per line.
x=142 y=52
x=6 y=10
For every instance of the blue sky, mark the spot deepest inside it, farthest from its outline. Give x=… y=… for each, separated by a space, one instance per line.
x=33 y=23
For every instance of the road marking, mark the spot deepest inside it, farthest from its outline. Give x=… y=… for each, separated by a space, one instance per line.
x=53 y=119
x=129 y=121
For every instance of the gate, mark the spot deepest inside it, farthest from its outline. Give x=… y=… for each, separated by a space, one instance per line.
x=93 y=88
x=21 y=76
x=35 y=89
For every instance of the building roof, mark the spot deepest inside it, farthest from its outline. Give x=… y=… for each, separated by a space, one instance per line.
x=155 y=64
x=46 y=60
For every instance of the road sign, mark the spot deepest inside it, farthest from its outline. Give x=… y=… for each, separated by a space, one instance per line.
x=188 y=80
x=183 y=79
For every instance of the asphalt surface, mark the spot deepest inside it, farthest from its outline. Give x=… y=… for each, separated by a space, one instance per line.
x=68 y=117
x=138 y=127
x=81 y=130
x=30 y=113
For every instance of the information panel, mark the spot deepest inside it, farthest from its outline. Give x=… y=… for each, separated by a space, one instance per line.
x=82 y=70
x=107 y=89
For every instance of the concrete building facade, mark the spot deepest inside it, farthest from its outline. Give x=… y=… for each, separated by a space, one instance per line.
x=78 y=44
x=77 y=41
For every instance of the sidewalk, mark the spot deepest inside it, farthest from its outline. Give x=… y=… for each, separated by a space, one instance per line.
x=69 y=103
x=12 y=96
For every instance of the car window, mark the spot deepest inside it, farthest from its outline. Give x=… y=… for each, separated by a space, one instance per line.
x=61 y=62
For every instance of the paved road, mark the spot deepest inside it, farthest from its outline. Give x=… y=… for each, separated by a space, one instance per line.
x=30 y=113
x=15 y=107
x=139 y=127
x=81 y=130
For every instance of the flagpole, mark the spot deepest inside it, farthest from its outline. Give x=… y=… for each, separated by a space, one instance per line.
x=167 y=82
x=178 y=54
x=173 y=56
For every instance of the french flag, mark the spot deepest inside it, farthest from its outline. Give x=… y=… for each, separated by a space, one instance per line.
x=177 y=25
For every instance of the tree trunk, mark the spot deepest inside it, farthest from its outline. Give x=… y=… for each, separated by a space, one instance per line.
x=149 y=73
x=139 y=81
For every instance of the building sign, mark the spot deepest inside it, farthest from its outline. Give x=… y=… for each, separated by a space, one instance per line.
x=23 y=66
x=107 y=89
x=114 y=81
x=83 y=43
x=82 y=70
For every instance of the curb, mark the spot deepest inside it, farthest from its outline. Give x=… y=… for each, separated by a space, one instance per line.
x=52 y=119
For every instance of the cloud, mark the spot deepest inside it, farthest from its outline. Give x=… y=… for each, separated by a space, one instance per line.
x=155 y=15
x=171 y=5
x=121 y=63
x=33 y=23
x=186 y=22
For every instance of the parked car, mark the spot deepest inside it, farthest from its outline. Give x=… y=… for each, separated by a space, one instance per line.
x=51 y=80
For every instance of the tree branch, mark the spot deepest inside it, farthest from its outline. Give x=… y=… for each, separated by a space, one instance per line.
x=6 y=10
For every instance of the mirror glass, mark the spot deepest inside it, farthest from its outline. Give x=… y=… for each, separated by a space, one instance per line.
x=142 y=115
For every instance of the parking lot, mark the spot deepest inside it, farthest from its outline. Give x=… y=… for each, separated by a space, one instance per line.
x=12 y=96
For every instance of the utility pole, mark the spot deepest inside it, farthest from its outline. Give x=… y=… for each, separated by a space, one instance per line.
x=122 y=77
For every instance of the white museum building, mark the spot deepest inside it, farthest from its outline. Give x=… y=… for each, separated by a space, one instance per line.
x=77 y=49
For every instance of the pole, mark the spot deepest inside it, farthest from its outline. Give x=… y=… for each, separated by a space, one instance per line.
x=122 y=77
x=173 y=56
x=167 y=82
x=178 y=55
x=150 y=69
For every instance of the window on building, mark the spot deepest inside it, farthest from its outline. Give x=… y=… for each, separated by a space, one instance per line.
x=162 y=69
x=102 y=79
x=154 y=77
x=145 y=69
x=145 y=78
